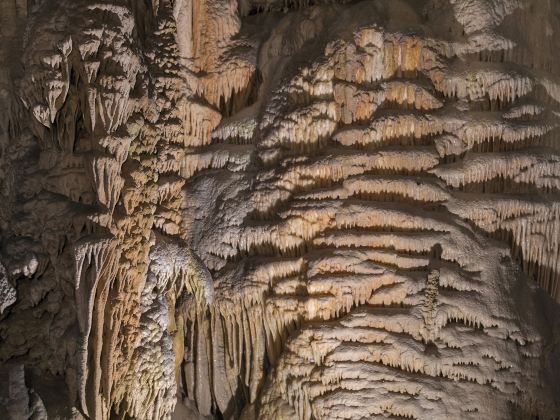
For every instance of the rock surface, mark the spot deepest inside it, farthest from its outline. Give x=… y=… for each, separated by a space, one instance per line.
x=280 y=210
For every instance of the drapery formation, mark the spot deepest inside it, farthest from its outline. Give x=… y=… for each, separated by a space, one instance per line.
x=270 y=209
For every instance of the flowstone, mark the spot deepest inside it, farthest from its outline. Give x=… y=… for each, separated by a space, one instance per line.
x=280 y=210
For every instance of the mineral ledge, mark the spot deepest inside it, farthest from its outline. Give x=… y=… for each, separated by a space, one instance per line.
x=279 y=209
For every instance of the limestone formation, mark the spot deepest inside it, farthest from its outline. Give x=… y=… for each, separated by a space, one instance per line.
x=265 y=209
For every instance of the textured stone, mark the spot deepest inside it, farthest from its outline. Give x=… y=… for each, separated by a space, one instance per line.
x=270 y=209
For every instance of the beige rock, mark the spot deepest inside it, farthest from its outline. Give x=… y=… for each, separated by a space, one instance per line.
x=264 y=209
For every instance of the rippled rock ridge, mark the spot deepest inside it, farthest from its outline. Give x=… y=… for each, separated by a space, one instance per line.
x=265 y=209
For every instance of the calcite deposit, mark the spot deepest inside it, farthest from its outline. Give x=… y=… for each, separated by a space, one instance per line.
x=265 y=209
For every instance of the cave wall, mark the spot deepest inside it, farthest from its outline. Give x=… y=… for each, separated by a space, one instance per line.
x=275 y=209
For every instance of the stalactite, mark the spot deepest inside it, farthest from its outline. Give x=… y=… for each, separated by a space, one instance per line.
x=279 y=209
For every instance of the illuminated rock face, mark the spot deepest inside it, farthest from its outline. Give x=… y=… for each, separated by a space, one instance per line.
x=277 y=210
